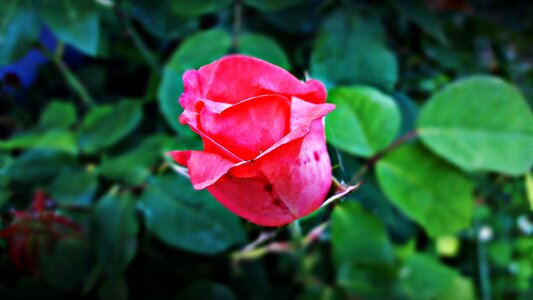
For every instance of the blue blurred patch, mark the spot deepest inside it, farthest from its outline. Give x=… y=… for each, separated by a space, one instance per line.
x=23 y=72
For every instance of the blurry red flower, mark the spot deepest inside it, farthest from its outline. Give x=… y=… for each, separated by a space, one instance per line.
x=265 y=155
x=33 y=231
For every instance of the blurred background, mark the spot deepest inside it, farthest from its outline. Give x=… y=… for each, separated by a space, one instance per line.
x=90 y=207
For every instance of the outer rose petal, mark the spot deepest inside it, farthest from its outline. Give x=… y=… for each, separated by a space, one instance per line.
x=250 y=127
x=204 y=168
x=235 y=78
x=288 y=183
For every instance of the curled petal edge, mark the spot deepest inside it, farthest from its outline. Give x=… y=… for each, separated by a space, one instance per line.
x=214 y=166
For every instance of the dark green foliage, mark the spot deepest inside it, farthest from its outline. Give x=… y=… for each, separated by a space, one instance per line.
x=433 y=113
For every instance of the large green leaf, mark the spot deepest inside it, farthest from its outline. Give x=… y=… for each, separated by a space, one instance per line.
x=56 y=139
x=115 y=228
x=427 y=279
x=19 y=29
x=74 y=22
x=263 y=47
x=357 y=236
x=107 y=124
x=133 y=167
x=75 y=187
x=350 y=49
x=426 y=188
x=364 y=122
x=197 y=50
x=188 y=219
x=480 y=124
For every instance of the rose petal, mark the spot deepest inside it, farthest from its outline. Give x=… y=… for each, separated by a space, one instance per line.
x=288 y=183
x=236 y=78
x=302 y=115
x=206 y=168
x=250 y=127
x=303 y=112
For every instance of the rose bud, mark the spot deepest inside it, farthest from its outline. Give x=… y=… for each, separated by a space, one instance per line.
x=265 y=156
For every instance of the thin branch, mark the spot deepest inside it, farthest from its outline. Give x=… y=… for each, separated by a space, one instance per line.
x=139 y=43
x=372 y=161
x=73 y=81
x=342 y=190
x=484 y=272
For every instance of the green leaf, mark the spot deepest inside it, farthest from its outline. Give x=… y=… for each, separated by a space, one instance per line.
x=350 y=49
x=409 y=110
x=159 y=18
x=115 y=228
x=105 y=125
x=529 y=189
x=263 y=47
x=273 y=5
x=58 y=114
x=362 y=252
x=320 y=292
x=370 y=195
x=196 y=8
x=114 y=289
x=39 y=166
x=188 y=219
x=19 y=29
x=435 y=194
x=74 y=187
x=425 y=278
x=68 y=265
x=133 y=167
x=55 y=139
x=480 y=124
x=370 y=281
x=206 y=290
x=74 y=22
x=197 y=50
x=357 y=236
x=417 y=11
x=5 y=193
x=364 y=122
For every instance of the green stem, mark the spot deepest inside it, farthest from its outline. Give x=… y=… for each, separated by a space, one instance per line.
x=139 y=43
x=372 y=161
x=237 y=26
x=73 y=81
x=484 y=272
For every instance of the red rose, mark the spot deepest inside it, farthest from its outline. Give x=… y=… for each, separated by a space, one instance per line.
x=265 y=155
